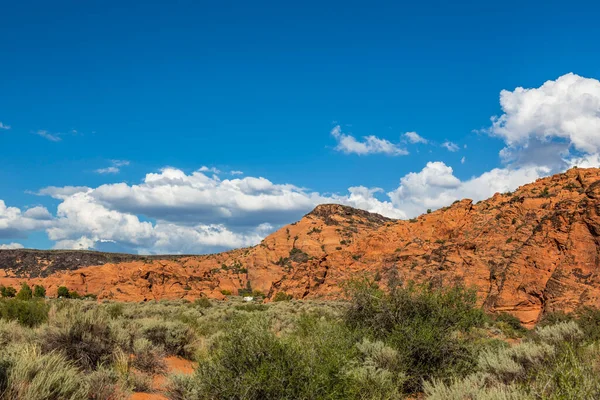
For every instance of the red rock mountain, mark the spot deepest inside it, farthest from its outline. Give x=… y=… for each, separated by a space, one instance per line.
x=527 y=252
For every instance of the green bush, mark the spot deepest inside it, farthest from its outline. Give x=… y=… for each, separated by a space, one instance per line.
x=203 y=302
x=282 y=296
x=39 y=291
x=421 y=324
x=28 y=313
x=62 y=292
x=25 y=293
x=175 y=337
x=226 y=292
x=7 y=291
x=250 y=362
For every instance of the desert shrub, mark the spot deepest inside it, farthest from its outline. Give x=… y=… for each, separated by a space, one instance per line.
x=140 y=382
x=13 y=332
x=475 y=386
x=226 y=292
x=512 y=322
x=115 y=310
x=33 y=375
x=420 y=323
x=251 y=307
x=174 y=337
x=282 y=296
x=7 y=291
x=39 y=291
x=250 y=362
x=63 y=292
x=377 y=373
x=85 y=337
x=203 y=302
x=560 y=333
x=28 y=313
x=147 y=357
x=104 y=384
x=25 y=293
x=588 y=319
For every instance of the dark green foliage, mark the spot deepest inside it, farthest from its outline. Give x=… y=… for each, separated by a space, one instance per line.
x=7 y=291
x=513 y=323
x=25 y=293
x=39 y=291
x=298 y=255
x=74 y=295
x=28 y=313
x=203 y=302
x=251 y=363
x=63 y=292
x=226 y=292
x=282 y=296
x=420 y=323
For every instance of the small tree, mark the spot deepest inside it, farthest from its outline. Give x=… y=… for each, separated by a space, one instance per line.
x=39 y=291
x=63 y=292
x=9 y=291
x=25 y=293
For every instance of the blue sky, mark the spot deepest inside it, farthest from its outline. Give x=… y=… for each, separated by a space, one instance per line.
x=258 y=87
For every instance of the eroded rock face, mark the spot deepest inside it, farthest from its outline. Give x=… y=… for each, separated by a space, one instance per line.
x=527 y=252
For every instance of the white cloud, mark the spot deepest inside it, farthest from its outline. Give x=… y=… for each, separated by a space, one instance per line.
x=436 y=186
x=14 y=223
x=234 y=172
x=11 y=246
x=60 y=193
x=453 y=147
x=214 y=170
x=414 y=137
x=47 y=135
x=107 y=170
x=115 y=168
x=4 y=126
x=566 y=109
x=463 y=160
x=370 y=145
x=120 y=163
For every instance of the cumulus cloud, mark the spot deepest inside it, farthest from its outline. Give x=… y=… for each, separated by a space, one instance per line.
x=11 y=246
x=14 y=223
x=453 y=147
x=564 y=112
x=4 y=126
x=370 y=145
x=49 y=136
x=234 y=172
x=60 y=193
x=414 y=137
x=436 y=186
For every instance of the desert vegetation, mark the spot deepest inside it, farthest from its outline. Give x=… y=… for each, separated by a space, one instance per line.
x=400 y=343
